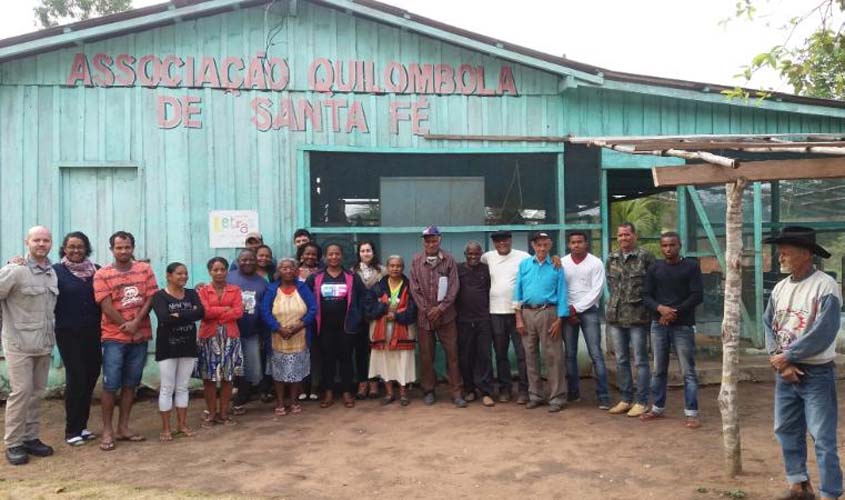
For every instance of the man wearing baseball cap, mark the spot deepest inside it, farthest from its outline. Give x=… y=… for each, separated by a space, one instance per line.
x=801 y=323
x=434 y=287
x=540 y=299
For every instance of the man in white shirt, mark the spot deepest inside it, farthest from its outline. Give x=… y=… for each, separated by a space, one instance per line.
x=504 y=264
x=584 y=283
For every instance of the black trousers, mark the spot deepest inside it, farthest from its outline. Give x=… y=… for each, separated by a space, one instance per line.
x=82 y=356
x=362 y=353
x=474 y=355
x=336 y=350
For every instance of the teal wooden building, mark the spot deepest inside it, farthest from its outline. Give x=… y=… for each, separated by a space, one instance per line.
x=330 y=115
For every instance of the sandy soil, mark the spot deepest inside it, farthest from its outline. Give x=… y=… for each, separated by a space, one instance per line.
x=417 y=452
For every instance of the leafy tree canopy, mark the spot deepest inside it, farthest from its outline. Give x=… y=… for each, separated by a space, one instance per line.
x=50 y=13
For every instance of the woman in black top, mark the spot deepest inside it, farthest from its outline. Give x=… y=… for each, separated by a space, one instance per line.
x=77 y=333
x=339 y=295
x=177 y=309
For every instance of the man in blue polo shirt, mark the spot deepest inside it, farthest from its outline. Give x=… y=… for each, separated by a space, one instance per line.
x=540 y=298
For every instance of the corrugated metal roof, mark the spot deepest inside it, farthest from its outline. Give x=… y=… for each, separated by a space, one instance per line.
x=605 y=73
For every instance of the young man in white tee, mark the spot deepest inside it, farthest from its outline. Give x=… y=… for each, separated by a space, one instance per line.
x=584 y=283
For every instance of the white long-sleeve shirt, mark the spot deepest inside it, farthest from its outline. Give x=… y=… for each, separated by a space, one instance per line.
x=584 y=281
x=503 y=269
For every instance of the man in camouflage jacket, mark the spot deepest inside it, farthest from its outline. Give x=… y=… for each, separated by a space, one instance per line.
x=628 y=319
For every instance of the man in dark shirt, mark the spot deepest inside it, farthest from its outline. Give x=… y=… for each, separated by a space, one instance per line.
x=252 y=329
x=475 y=330
x=673 y=290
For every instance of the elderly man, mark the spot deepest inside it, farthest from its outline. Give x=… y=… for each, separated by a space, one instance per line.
x=28 y=294
x=503 y=263
x=474 y=329
x=540 y=295
x=434 y=287
x=801 y=322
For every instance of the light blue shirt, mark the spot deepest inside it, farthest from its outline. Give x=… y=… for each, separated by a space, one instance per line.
x=539 y=283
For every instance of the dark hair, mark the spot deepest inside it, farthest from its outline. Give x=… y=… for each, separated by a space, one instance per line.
x=214 y=260
x=671 y=234
x=259 y=247
x=338 y=245
x=301 y=250
x=303 y=232
x=629 y=225
x=173 y=266
x=253 y=252
x=375 y=262
x=80 y=236
x=124 y=235
x=577 y=233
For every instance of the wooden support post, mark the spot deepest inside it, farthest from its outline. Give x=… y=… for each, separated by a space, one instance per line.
x=731 y=328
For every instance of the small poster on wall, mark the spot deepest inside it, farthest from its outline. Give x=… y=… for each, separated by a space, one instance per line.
x=228 y=228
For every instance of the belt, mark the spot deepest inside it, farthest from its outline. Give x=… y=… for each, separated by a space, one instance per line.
x=537 y=307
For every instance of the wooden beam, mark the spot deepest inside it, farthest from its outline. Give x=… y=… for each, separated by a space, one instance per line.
x=701 y=137
x=742 y=145
x=706 y=174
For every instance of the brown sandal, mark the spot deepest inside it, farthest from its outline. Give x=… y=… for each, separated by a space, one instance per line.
x=348 y=400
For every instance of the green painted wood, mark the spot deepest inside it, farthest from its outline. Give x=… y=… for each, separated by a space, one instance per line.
x=759 y=306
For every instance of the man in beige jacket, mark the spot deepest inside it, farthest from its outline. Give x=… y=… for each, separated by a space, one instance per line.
x=28 y=294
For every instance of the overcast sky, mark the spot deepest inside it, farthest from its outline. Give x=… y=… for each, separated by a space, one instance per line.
x=670 y=38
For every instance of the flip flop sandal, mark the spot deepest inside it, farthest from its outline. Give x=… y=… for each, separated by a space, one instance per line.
x=326 y=403
x=207 y=419
x=280 y=411
x=229 y=421
x=349 y=403
x=165 y=436
x=75 y=441
x=106 y=445
x=295 y=408
x=184 y=433
x=134 y=438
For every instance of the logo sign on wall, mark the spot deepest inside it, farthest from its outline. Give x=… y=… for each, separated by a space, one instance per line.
x=228 y=228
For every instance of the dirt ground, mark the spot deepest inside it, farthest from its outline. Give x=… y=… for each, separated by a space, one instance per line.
x=417 y=452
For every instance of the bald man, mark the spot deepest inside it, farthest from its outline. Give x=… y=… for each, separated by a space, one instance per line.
x=28 y=294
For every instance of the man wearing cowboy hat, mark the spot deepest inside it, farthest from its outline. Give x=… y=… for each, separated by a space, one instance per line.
x=801 y=322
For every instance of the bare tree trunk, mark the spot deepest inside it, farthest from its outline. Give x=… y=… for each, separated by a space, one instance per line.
x=731 y=328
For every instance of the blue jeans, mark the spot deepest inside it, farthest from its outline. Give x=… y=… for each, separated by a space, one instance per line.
x=683 y=338
x=590 y=324
x=251 y=347
x=623 y=339
x=809 y=405
x=123 y=364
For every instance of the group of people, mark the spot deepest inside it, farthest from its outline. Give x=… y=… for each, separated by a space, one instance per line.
x=299 y=325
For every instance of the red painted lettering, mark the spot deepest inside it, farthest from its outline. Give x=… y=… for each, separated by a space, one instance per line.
x=208 y=73
x=167 y=78
x=506 y=82
x=398 y=111
x=356 y=119
x=189 y=71
x=261 y=118
x=102 y=65
x=393 y=69
x=175 y=115
x=146 y=77
x=482 y=86
x=419 y=114
x=255 y=75
x=351 y=78
x=189 y=110
x=286 y=117
x=317 y=82
x=79 y=71
x=334 y=105
x=280 y=82
x=466 y=72
x=305 y=112
x=444 y=79
x=226 y=75
x=421 y=78
x=125 y=74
